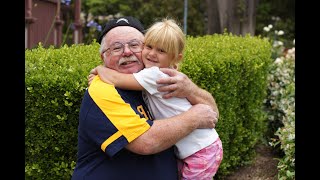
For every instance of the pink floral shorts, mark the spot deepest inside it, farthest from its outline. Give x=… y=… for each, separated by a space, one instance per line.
x=203 y=164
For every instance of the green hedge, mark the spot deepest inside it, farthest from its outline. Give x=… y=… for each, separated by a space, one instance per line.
x=55 y=80
x=232 y=68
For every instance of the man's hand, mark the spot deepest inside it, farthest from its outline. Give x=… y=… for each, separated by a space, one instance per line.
x=102 y=72
x=165 y=133
x=177 y=85
x=206 y=117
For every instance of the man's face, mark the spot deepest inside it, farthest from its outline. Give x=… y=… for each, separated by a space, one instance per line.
x=127 y=62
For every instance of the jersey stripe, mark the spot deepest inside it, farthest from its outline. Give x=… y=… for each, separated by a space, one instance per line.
x=110 y=140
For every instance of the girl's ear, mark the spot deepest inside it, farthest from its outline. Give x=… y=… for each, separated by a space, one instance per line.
x=179 y=57
x=176 y=64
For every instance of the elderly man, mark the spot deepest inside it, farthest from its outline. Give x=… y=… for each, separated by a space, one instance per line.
x=117 y=136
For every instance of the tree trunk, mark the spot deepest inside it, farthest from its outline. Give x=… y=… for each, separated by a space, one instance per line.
x=213 y=17
x=236 y=16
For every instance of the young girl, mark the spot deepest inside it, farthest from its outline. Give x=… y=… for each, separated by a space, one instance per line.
x=200 y=153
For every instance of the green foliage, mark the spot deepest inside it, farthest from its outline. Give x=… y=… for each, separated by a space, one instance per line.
x=280 y=14
x=196 y=19
x=55 y=80
x=234 y=69
x=103 y=7
x=151 y=10
x=280 y=102
x=148 y=11
x=280 y=105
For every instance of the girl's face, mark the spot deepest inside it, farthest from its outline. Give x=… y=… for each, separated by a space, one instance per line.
x=154 y=56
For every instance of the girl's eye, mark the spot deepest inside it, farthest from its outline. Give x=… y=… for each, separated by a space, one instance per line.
x=161 y=50
x=148 y=46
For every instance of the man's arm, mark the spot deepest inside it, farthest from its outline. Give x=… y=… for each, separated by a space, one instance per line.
x=165 y=133
x=179 y=85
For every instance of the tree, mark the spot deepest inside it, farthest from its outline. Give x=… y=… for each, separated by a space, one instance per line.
x=149 y=11
x=236 y=16
x=204 y=17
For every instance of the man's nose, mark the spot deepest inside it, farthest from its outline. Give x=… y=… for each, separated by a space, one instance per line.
x=126 y=50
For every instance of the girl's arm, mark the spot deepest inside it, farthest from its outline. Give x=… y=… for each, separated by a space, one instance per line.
x=120 y=80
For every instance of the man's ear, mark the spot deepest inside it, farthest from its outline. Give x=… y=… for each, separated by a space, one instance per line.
x=101 y=56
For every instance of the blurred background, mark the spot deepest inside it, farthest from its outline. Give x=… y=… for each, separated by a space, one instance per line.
x=59 y=22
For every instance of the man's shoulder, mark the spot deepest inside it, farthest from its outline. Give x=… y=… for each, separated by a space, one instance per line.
x=101 y=90
x=98 y=87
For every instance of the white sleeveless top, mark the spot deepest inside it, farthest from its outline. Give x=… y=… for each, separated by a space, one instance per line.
x=165 y=108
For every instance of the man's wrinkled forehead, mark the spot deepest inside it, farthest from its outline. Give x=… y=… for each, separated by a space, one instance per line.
x=123 y=34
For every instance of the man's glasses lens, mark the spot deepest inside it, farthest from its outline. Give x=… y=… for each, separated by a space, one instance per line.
x=118 y=48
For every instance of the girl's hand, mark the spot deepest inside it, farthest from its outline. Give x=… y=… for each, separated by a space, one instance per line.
x=102 y=72
x=92 y=74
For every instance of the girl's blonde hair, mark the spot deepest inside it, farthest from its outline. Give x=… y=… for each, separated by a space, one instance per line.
x=168 y=36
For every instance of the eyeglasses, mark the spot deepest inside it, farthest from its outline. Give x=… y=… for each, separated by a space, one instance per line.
x=117 y=48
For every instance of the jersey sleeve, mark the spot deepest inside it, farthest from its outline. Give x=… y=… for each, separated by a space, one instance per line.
x=111 y=122
x=147 y=78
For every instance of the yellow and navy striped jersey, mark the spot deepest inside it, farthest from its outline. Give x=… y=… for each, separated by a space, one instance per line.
x=109 y=119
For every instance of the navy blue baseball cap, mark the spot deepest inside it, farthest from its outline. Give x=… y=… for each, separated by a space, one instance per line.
x=122 y=21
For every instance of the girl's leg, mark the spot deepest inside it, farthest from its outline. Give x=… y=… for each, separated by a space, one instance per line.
x=203 y=164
